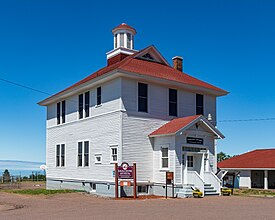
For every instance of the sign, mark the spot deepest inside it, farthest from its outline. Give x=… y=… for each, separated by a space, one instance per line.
x=125 y=171
x=169 y=176
x=191 y=140
x=125 y=183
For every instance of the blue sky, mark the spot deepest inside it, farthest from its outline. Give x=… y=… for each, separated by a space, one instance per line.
x=49 y=45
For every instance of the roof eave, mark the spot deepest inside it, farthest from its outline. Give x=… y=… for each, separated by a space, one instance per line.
x=161 y=135
x=68 y=92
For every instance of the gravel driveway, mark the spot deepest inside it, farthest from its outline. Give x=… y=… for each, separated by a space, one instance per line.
x=83 y=206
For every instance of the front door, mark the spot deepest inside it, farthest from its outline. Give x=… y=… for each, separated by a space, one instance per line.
x=191 y=162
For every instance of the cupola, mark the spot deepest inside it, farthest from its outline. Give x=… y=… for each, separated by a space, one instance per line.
x=123 y=43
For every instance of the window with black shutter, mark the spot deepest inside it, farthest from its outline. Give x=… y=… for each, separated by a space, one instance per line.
x=87 y=104
x=199 y=104
x=62 y=155
x=57 y=155
x=80 y=106
x=63 y=111
x=86 y=153
x=98 y=96
x=58 y=112
x=79 y=154
x=142 y=97
x=173 y=102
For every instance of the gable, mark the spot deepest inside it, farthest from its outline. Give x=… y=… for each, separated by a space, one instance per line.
x=151 y=54
x=179 y=125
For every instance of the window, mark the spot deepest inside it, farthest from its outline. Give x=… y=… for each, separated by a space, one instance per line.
x=98 y=158
x=143 y=189
x=57 y=155
x=58 y=112
x=86 y=153
x=87 y=104
x=199 y=104
x=142 y=97
x=173 y=102
x=80 y=106
x=98 y=96
x=83 y=154
x=122 y=39
x=114 y=154
x=79 y=155
x=164 y=157
x=128 y=40
x=61 y=111
x=115 y=40
x=190 y=161
x=60 y=155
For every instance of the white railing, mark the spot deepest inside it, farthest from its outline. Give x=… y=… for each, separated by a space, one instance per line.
x=210 y=177
x=194 y=178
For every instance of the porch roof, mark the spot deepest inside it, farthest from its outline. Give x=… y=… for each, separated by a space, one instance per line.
x=179 y=124
x=256 y=159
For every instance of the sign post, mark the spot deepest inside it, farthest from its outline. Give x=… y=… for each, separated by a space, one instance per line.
x=126 y=173
x=135 y=180
x=116 y=181
x=169 y=180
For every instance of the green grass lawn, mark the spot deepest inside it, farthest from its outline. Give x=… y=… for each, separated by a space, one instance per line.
x=39 y=191
x=254 y=192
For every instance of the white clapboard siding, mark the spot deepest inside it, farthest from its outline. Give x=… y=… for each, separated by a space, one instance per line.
x=160 y=173
x=101 y=131
x=210 y=107
x=137 y=146
x=110 y=98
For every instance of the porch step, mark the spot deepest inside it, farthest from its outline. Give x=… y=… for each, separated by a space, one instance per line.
x=209 y=190
x=185 y=192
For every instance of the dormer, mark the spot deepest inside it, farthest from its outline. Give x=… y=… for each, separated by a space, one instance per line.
x=123 y=43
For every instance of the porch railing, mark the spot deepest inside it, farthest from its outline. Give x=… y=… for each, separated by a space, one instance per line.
x=195 y=179
x=210 y=177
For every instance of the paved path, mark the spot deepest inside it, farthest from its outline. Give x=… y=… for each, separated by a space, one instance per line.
x=79 y=206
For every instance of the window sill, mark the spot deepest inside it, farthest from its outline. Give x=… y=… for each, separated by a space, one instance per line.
x=164 y=169
x=97 y=106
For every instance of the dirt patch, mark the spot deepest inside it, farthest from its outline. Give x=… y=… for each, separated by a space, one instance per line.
x=8 y=207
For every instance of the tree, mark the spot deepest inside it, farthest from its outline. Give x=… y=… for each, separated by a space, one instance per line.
x=6 y=176
x=222 y=156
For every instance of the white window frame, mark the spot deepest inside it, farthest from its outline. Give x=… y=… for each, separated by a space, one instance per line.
x=83 y=154
x=98 y=155
x=60 y=155
x=161 y=157
x=111 y=154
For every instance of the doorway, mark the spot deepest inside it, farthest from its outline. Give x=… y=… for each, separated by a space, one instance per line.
x=257 y=179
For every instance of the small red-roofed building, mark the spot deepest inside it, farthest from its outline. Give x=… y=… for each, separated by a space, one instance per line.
x=138 y=108
x=254 y=169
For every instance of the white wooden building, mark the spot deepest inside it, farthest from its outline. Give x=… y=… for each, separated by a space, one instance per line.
x=135 y=109
x=254 y=169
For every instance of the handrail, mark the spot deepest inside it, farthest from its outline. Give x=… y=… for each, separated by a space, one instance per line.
x=195 y=178
x=211 y=178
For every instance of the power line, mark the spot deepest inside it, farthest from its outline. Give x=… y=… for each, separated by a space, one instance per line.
x=247 y=120
x=220 y=121
x=25 y=87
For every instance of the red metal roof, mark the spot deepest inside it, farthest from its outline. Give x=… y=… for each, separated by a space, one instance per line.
x=175 y=125
x=255 y=159
x=147 y=68
x=124 y=26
